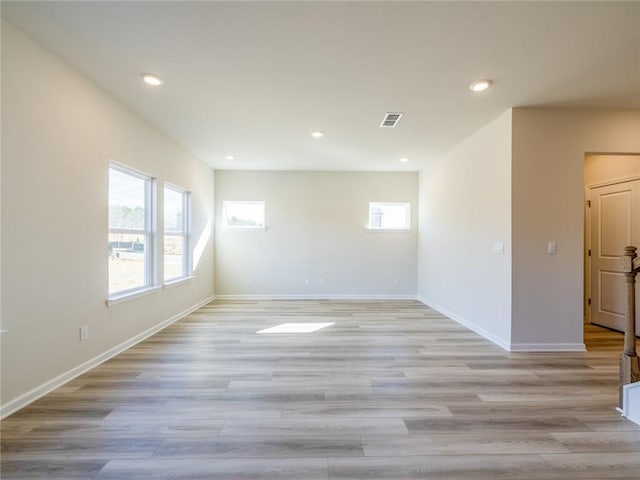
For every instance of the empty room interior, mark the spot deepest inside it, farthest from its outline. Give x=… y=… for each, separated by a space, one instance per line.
x=318 y=240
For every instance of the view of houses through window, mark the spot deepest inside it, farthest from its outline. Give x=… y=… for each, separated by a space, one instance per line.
x=243 y=214
x=390 y=215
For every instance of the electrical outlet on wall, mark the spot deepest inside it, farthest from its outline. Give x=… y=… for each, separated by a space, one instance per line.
x=84 y=333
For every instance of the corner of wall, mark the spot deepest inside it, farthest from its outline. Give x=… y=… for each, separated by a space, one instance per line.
x=464 y=248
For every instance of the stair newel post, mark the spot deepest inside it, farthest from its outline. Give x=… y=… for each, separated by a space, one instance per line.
x=629 y=364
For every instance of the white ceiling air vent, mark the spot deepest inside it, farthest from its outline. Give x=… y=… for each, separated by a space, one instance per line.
x=391 y=119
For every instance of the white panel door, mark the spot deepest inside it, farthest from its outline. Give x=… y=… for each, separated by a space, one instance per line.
x=615 y=223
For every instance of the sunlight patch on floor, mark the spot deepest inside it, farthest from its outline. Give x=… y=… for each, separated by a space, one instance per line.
x=295 y=328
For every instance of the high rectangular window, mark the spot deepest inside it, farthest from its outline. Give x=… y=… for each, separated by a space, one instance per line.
x=248 y=215
x=130 y=231
x=389 y=216
x=176 y=233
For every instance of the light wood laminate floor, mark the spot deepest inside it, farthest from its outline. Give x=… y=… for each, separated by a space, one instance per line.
x=392 y=390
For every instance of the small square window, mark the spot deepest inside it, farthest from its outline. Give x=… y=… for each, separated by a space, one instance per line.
x=243 y=215
x=389 y=216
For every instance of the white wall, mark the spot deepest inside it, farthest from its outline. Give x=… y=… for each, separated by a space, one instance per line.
x=601 y=168
x=465 y=207
x=316 y=229
x=59 y=132
x=549 y=147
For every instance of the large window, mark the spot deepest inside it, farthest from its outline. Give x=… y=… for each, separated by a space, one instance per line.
x=247 y=215
x=130 y=232
x=176 y=233
x=389 y=216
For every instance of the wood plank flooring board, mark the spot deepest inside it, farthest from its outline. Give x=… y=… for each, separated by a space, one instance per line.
x=605 y=396
x=356 y=411
x=489 y=381
x=223 y=377
x=436 y=467
x=392 y=390
x=303 y=374
x=35 y=469
x=462 y=371
x=599 y=442
x=440 y=396
x=581 y=408
x=284 y=384
x=314 y=426
x=596 y=464
x=106 y=395
x=262 y=447
x=453 y=354
x=179 y=412
x=462 y=443
x=35 y=414
x=495 y=423
x=159 y=428
x=216 y=469
x=618 y=425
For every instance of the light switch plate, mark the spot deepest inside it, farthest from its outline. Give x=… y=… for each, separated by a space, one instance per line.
x=552 y=248
x=498 y=247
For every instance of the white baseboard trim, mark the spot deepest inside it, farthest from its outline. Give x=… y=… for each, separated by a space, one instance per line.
x=548 y=347
x=631 y=402
x=465 y=323
x=47 y=387
x=508 y=346
x=315 y=297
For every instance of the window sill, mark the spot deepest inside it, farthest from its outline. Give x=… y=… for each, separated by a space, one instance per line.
x=399 y=230
x=130 y=296
x=177 y=281
x=244 y=229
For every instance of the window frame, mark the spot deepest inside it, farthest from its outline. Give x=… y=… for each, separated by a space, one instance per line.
x=185 y=233
x=148 y=232
x=406 y=205
x=226 y=226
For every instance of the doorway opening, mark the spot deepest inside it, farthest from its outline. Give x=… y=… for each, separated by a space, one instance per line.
x=612 y=221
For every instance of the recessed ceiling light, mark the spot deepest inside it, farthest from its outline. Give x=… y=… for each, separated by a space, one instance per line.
x=480 y=86
x=230 y=157
x=404 y=159
x=151 y=79
x=317 y=133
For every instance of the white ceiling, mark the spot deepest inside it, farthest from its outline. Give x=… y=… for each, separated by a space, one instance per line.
x=252 y=79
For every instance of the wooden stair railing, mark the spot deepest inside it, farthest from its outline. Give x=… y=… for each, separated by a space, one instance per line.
x=629 y=362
